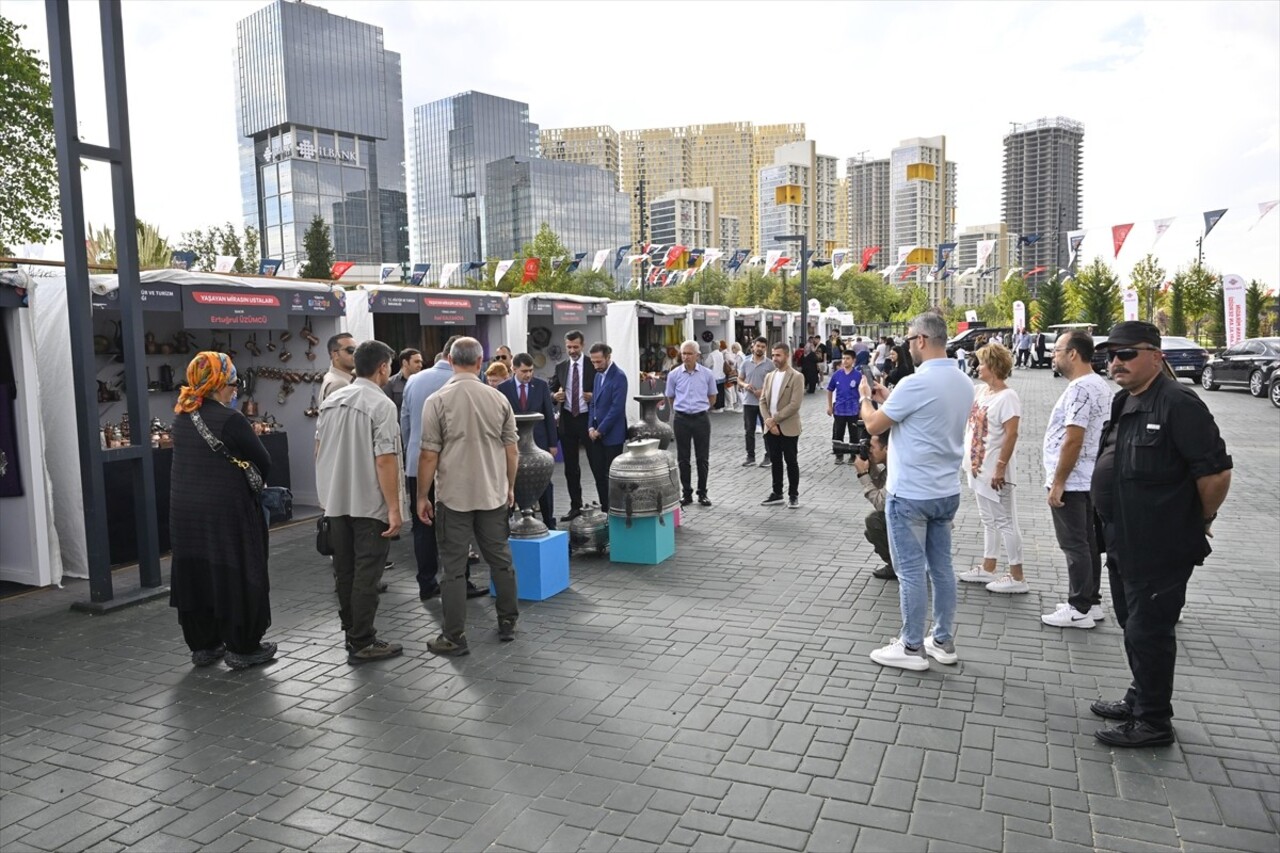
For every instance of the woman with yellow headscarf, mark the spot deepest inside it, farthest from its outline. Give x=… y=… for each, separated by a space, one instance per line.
x=216 y=524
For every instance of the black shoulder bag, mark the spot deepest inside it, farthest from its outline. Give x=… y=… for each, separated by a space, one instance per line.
x=251 y=472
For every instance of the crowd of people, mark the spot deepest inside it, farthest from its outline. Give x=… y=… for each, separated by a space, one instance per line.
x=1137 y=476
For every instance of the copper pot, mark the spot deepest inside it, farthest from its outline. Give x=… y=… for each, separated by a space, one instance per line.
x=250 y=408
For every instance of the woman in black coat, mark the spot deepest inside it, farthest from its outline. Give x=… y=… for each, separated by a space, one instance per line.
x=218 y=577
x=903 y=365
x=809 y=362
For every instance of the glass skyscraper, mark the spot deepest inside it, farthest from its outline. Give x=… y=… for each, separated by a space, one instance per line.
x=454 y=139
x=321 y=124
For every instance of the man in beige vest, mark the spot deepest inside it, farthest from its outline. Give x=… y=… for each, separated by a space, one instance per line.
x=780 y=407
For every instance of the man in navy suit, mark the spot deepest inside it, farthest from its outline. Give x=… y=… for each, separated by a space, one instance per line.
x=571 y=389
x=530 y=395
x=607 y=418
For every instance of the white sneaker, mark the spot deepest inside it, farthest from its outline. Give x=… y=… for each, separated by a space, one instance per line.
x=1067 y=616
x=1096 y=613
x=1008 y=584
x=976 y=575
x=896 y=654
x=942 y=653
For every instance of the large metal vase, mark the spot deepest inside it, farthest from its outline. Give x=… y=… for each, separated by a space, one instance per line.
x=649 y=426
x=589 y=531
x=533 y=473
x=643 y=482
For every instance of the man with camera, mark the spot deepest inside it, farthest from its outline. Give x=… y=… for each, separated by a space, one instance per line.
x=842 y=404
x=869 y=460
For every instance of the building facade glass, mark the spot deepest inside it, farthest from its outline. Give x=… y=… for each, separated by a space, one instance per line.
x=320 y=114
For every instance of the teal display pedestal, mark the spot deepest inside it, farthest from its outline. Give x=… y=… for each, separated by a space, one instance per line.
x=542 y=566
x=648 y=541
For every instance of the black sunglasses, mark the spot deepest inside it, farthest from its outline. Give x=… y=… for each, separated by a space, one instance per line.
x=348 y=350
x=1128 y=353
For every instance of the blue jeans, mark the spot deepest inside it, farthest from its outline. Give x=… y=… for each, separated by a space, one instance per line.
x=920 y=543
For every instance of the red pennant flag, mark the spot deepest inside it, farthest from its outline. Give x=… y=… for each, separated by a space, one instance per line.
x=1035 y=271
x=867 y=255
x=1118 y=235
x=779 y=264
x=676 y=258
x=908 y=271
x=340 y=267
x=531 y=267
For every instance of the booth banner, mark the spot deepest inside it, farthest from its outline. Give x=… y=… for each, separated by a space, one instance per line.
x=331 y=304
x=568 y=313
x=549 y=306
x=269 y=266
x=776 y=318
x=448 y=311
x=711 y=315
x=1233 y=296
x=157 y=296
x=664 y=320
x=419 y=273
x=232 y=308
x=393 y=302
x=1130 y=300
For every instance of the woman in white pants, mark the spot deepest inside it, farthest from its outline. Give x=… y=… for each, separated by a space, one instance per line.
x=733 y=360
x=989 y=441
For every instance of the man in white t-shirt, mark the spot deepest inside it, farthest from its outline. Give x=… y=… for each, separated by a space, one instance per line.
x=1070 y=450
x=927 y=413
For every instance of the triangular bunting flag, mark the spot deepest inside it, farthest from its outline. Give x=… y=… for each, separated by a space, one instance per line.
x=1162 y=225
x=531 y=267
x=1119 y=233
x=1211 y=218
x=1264 y=207
x=1074 y=239
x=446 y=272
x=501 y=269
x=601 y=256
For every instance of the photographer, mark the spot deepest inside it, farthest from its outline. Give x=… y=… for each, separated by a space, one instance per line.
x=872 y=475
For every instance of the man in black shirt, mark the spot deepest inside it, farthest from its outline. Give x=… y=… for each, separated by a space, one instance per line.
x=1162 y=473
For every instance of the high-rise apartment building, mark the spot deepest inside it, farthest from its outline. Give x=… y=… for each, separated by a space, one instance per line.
x=685 y=217
x=321 y=125
x=1042 y=179
x=797 y=195
x=842 y=211
x=579 y=203
x=730 y=233
x=869 y=209
x=726 y=156
x=922 y=185
x=588 y=146
x=454 y=139
x=976 y=287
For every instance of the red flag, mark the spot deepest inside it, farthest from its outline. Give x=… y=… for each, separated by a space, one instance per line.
x=676 y=258
x=1118 y=235
x=908 y=271
x=531 y=267
x=340 y=267
x=867 y=255
x=779 y=264
x=653 y=274
x=1035 y=271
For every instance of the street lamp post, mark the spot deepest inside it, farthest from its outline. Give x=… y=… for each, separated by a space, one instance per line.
x=804 y=280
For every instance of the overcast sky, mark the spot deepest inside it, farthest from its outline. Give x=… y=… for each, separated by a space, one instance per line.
x=1180 y=100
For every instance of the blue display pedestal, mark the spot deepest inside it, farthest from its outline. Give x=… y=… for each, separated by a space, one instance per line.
x=542 y=566
x=647 y=541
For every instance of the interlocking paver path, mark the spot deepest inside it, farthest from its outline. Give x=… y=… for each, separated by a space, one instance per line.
x=722 y=700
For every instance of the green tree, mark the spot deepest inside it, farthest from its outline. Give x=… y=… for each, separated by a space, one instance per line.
x=1218 y=312
x=1255 y=301
x=1198 y=287
x=207 y=244
x=1177 y=305
x=1012 y=289
x=319 y=251
x=913 y=300
x=870 y=298
x=153 y=250
x=1147 y=278
x=748 y=288
x=1097 y=295
x=1053 y=304
x=28 y=167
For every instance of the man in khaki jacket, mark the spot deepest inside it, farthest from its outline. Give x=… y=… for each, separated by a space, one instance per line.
x=780 y=407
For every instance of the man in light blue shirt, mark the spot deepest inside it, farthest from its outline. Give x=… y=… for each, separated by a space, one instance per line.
x=927 y=413
x=417 y=389
x=691 y=391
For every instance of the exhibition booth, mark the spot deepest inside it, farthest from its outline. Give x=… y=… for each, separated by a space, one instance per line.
x=538 y=322
x=424 y=318
x=710 y=324
x=747 y=325
x=640 y=334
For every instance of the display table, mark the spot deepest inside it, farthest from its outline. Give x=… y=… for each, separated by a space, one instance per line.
x=121 y=529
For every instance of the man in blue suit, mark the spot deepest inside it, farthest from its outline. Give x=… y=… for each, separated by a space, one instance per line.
x=607 y=418
x=530 y=395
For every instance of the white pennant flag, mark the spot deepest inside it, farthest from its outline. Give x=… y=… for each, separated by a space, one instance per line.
x=838 y=258
x=1162 y=225
x=1264 y=207
x=1074 y=239
x=445 y=272
x=904 y=252
x=711 y=256
x=985 y=248
x=754 y=261
x=967 y=273
x=501 y=269
x=841 y=270
x=631 y=259
x=601 y=257
x=224 y=263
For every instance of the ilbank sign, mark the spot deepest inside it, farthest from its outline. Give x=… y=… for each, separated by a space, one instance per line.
x=307 y=150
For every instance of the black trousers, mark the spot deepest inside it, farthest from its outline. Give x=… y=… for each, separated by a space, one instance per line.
x=719 y=396
x=877 y=534
x=695 y=430
x=425 y=552
x=573 y=437
x=783 y=449
x=842 y=424
x=1147 y=609
x=359 y=555
x=601 y=456
x=202 y=630
x=750 y=420
x=1073 y=524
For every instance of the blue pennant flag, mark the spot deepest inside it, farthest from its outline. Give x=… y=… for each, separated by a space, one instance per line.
x=944 y=254
x=620 y=254
x=1029 y=239
x=269 y=266
x=739 y=255
x=419 y=273
x=577 y=259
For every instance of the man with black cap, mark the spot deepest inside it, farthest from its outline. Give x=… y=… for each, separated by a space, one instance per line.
x=1162 y=473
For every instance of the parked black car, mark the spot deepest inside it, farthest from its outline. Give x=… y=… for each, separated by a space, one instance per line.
x=1100 y=356
x=968 y=337
x=1273 y=388
x=1248 y=364
x=1187 y=358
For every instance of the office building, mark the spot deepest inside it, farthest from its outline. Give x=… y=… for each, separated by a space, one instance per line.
x=321 y=132
x=685 y=217
x=869 y=207
x=922 y=186
x=797 y=195
x=969 y=284
x=579 y=203
x=454 y=139
x=1042 y=180
x=587 y=146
